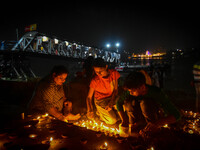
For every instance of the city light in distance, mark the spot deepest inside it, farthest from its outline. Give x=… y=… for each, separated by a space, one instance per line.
x=117 y=44
x=108 y=45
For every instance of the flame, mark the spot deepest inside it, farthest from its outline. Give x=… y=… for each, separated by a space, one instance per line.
x=97 y=126
x=165 y=126
x=32 y=136
x=51 y=139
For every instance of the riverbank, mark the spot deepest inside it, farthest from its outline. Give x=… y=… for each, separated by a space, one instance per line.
x=14 y=95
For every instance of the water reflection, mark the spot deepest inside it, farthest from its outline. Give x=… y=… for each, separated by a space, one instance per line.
x=145 y=62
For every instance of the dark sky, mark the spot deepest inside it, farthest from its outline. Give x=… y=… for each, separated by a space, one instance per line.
x=134 y=26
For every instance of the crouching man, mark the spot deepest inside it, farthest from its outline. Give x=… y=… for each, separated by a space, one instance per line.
x=155 y=106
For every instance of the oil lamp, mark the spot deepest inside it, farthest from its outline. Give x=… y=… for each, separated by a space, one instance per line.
x=32 y=136
x=104 y=146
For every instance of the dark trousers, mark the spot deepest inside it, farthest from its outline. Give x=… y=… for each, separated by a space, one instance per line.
x=141 y=110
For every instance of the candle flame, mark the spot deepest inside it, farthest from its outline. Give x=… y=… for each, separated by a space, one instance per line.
x=93 y=125
x=51 y=139
x=165 y=126
x=152 y=148
x=32 y=136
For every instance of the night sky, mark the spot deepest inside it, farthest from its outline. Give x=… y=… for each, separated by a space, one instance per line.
x=95 y=24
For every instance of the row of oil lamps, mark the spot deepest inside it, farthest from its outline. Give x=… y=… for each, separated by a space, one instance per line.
x=44 y=121
x=99 y=127
x=192 y=125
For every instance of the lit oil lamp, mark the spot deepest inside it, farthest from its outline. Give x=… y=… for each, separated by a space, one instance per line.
x=166 y=126
x=47 y=141
x=104 y=146
x=27 y=126
x=98 y=127
x=32 y=136
x=151 y=148
x=45 y=115
x=51 y=139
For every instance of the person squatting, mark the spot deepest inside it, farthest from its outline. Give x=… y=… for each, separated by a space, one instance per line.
x=140 y=107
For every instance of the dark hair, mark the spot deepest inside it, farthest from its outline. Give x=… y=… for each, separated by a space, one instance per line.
x=58 y=70
x=99 y=62
x=134 y=80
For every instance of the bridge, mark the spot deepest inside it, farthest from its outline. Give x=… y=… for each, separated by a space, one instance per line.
x=35 y=52
x=40 y=43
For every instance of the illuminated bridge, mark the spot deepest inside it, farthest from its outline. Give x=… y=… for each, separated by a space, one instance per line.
x=36 y=53
x=40 y=43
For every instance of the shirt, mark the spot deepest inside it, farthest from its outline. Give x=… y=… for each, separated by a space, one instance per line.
x=196 y=72
x=48 y=95
x=154 y=94
x=104 y=86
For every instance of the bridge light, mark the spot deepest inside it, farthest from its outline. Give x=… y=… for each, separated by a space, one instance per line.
x=56 y=41
x=67 y=43
x=44 y=39
x=117 y=44
x=108 y=45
